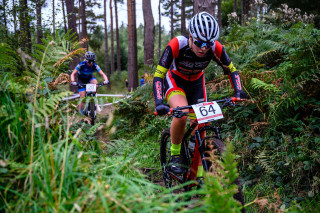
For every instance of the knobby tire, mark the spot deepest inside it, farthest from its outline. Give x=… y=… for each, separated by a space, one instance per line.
x=92 y=112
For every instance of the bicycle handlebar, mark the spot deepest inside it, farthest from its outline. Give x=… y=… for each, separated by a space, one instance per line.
x=178 y=113
x=99 y=84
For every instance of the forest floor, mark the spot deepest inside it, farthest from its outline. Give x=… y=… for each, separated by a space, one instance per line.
x=152 y=174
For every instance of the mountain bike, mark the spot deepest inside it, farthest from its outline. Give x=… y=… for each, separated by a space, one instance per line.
x=207 y=137
x=91 y=91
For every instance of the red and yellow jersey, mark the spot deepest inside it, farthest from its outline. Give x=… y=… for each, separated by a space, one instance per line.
x=183 y=62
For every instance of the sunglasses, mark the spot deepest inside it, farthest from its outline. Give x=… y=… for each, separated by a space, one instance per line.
x=90 y=61
x=201 y=44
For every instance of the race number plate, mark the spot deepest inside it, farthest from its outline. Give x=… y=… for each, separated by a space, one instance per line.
x=207 y=111
x=91 y=87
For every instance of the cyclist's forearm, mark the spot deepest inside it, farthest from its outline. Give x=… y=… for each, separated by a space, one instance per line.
x=157 y=90
x=72 y=75
x=105 y=78
x=235 y=81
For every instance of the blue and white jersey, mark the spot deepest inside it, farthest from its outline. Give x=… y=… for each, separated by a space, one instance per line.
x=84 y=71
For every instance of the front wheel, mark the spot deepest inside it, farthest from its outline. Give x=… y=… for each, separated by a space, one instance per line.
x=171 y=180
x=214 y=149
x=92 y=112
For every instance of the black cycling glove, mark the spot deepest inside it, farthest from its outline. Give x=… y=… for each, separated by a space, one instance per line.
x=242 y=95
x=162 y=109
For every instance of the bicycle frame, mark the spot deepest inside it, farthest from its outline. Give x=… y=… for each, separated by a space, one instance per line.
x=199 y=150
x=91 y=94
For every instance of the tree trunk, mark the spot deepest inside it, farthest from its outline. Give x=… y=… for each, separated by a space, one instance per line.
x=149 y=33
x=64 y=16
x=39 y=21
x=235 y=6
x=204 y=5
x=132 y=46
x=219 y=15
x=14 y=13
x=53 y=21
x=171 y=19
x=5 y=19
x=106 y=40
x=111 y=40
x=245 y=10
x=83 y=34
x=25 y=33
x=183 y=18
x=159 y=49
x=72 y=26
x=72 y=20
x=118 y=40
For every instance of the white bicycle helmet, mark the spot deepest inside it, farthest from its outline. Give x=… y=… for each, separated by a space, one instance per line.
x=204 y=27
x=90 y=56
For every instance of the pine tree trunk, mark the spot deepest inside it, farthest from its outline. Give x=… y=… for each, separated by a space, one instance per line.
x=204 y=5
x=149 y=33
x=25 y=34
x=106 y=41
x=83 y=34
x=183 y=18
x=118 y=40
x=235 y=6
x=72 y=26
x=112 y=43
x=39 y=21
x=245 y=10
x=64 y=16
x=159 y=49
x=132 y=46
x=53 y=21
x=5 y=19
x=14 y=13
x=219 y=15
x=171 y=19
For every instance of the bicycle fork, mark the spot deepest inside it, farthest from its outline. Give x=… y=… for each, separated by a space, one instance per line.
x=199 y=151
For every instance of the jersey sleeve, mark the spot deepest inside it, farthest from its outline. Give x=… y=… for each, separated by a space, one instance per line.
x=170 y=52
x=97 y=68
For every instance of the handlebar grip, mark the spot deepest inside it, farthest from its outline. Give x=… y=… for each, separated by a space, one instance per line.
x=234 y=99
x=156 y=113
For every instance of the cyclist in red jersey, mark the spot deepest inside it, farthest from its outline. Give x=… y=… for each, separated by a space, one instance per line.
x=180 y=75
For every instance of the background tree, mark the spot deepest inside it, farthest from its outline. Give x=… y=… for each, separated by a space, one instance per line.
x=149 y=33
x=72 y=26
x=244 y=11
x=83 y=32
x=24 y=19
x=132 y=46
x=3 y=16
x=106 y=40
x=112 y=39
x=219 y=15
x=204 y=5
x=183 y=17
x=64 y=15
x=39 y=20
x=117 y=38
x=53 y=20
x=159 y=49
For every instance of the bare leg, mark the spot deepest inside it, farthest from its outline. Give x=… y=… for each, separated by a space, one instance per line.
x=83 y=94
x=178 y=124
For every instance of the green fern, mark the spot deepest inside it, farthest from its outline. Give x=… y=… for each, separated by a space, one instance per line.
x=263 y=160
x=258 y=84
x=221 y=188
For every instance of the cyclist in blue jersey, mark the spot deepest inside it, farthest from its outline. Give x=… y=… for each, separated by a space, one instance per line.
x=85 y=70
